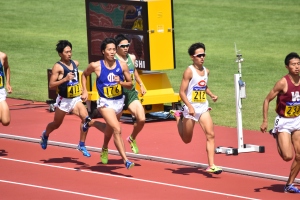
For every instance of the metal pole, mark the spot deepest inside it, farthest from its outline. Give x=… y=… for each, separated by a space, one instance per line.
x=238 y=103
x=238 y=84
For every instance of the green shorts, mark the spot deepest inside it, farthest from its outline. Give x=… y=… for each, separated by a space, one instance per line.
x=130 y=96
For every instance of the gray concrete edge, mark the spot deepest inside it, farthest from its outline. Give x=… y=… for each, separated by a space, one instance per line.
x=153 y=158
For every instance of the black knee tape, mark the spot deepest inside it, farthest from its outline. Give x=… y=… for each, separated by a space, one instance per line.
x=133 y=119
x=88 y=119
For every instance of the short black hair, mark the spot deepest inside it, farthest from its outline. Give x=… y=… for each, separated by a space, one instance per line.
x=120 y=38
x=194 y=47
x=107 y=41
x=289 y=57
x=62 y=44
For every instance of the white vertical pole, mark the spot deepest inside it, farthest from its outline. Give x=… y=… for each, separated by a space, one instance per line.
x=240 y=93
x=238 y=103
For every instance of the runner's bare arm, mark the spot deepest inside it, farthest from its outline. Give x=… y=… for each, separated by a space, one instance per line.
x=212 y=96
x=92 y=67
x=56 y=76
x=280 y=86
x=7 y=73
x=187 y=75
x=137 y=76
x=128 y=83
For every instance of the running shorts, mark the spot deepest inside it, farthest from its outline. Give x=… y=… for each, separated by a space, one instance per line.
x=199 y=108
x=115 y=104
x=3 y=94
x=287 y=125
x=130 y=96
x=66 y=104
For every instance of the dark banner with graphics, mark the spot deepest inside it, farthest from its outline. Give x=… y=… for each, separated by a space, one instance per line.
x=108 y=18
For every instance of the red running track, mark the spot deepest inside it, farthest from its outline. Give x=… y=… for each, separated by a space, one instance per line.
x=157 y=139
x=28 y=172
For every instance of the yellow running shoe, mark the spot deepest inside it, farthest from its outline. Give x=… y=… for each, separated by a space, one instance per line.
x=214 y=169
x=104 y=156
x=133 y=145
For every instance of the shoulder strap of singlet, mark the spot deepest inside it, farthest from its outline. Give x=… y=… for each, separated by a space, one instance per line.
x=74 y=65
x=118 y=63
x=205 y=72
x=60 y=64
x=286 y=77
x=101 y=64
x=192 y=68
x=64 y=66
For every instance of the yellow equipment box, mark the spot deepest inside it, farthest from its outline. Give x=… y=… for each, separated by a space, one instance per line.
x=150 y=27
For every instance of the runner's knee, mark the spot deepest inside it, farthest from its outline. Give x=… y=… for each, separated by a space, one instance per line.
x=210 y=135
x=5 y=123
x=186 y=140
x=140 y=120
x=117 y=130
x=297 y=157
x=286 y=157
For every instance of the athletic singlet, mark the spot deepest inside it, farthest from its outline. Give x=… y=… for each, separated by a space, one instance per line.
x=196 y=91
x=105 y=83
x=2 y=75
x=131 y=68
x=288 y=104
x=69 y=89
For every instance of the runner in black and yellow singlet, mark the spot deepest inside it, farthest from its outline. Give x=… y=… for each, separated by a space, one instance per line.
x=65 y=78
x=71 y=88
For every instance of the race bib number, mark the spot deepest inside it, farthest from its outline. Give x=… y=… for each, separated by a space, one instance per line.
x=1 y=81
x=73 y=90
x=292 y=111
x=112 y=91
x=132 y=76
x=198 y=95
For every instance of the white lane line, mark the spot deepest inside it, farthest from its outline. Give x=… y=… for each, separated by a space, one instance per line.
x=154 y=158
x=130 y=178
x=59 y=190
